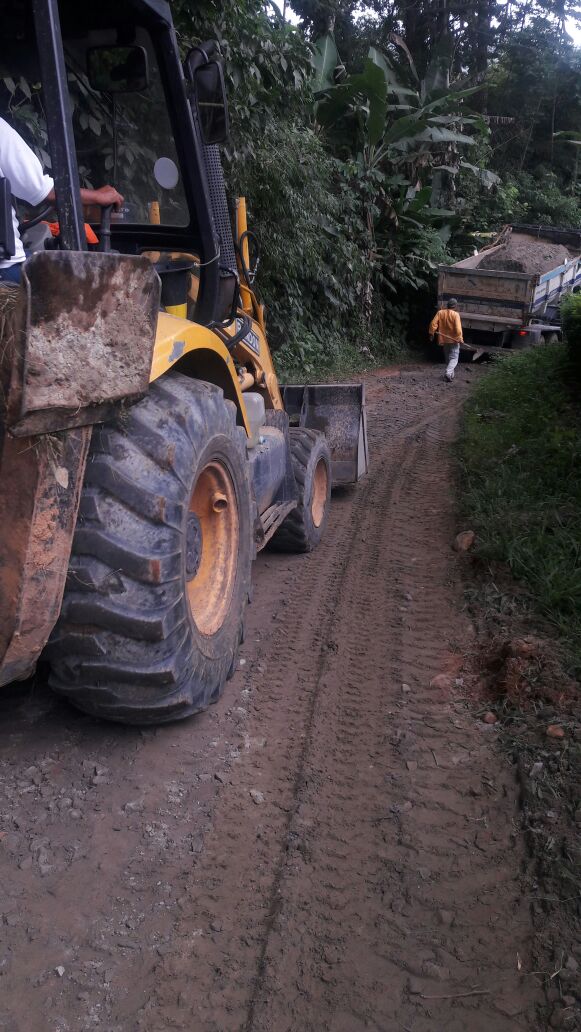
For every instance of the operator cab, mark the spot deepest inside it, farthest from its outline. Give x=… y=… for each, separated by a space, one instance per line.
x=137 y=120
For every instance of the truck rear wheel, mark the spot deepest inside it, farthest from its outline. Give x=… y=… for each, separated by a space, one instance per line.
x=304 y=527
x=160 y=569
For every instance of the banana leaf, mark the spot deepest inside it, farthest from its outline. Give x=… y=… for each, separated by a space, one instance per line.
x=325 y=60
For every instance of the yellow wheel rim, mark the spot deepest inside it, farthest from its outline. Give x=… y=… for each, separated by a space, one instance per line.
x=212 y=548
x=320 y=492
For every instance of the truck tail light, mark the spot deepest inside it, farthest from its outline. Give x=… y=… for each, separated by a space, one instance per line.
x=522 y=333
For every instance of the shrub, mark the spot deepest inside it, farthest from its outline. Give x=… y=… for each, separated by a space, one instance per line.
x=309 y=225
x=571 y=323
x=520 y=451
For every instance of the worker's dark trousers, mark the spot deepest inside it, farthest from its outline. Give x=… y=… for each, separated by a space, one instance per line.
x=11 y=274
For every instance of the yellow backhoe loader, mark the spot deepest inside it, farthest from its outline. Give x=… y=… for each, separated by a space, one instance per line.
x=146 y=449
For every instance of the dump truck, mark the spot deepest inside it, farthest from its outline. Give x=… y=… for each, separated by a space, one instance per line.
x=147 y=450
x=509 y=292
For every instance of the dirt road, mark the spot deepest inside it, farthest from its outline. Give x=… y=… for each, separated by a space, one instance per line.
x=332 y=848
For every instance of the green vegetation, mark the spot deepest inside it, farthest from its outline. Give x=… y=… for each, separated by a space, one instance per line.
x=520 y=450
x=311 y=279
x=571 y=322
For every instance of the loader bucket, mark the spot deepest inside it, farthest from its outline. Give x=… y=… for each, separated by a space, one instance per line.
x=87 y=341
x=338 y=411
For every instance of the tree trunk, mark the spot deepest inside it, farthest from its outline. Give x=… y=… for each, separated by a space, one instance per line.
x=552 y=140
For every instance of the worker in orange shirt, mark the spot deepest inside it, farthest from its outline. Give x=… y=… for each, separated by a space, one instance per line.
x=446 y=324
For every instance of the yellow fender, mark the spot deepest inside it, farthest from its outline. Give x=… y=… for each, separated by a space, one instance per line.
x=197 y=352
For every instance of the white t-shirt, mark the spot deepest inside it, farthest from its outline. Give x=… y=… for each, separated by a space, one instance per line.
x=20 y=165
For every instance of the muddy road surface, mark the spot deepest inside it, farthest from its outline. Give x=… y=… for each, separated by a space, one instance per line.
x=333 y=847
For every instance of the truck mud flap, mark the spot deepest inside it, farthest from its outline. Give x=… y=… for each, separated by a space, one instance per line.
x=86 y=340
x=338 y=411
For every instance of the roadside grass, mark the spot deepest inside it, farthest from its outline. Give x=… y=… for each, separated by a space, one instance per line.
x=520 y=454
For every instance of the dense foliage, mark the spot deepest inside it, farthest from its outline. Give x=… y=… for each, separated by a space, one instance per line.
x=571 y=321
x=373 y=143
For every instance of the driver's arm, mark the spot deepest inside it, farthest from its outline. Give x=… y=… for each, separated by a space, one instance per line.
x=104 y=196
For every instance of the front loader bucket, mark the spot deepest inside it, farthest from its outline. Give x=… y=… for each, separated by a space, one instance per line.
x=87 y=339
x=338 y=411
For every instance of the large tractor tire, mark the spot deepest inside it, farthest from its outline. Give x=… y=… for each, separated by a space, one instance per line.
x=304 y=527
x=160 y=570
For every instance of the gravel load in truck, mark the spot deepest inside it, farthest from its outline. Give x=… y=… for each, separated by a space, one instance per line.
x=524 y=253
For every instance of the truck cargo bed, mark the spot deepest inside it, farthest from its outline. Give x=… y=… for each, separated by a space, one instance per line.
x=518 y=284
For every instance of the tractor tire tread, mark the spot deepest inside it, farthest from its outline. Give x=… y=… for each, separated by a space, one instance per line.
x=123 y=646
x=297 y=532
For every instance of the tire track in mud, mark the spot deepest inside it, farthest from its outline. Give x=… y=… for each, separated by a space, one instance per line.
x=376 y=939
x=300 y=787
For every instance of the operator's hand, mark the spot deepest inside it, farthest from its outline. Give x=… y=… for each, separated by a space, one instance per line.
x=106 y=195
x=103 y=197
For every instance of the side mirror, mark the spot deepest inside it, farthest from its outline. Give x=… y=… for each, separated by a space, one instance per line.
x=117 y=69
x=210 y=93
x=7 y=238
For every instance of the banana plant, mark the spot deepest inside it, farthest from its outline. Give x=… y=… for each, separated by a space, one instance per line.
x=389 y=121
x=400 y=137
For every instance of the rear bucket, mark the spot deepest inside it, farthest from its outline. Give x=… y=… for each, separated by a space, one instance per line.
x=338 y=411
